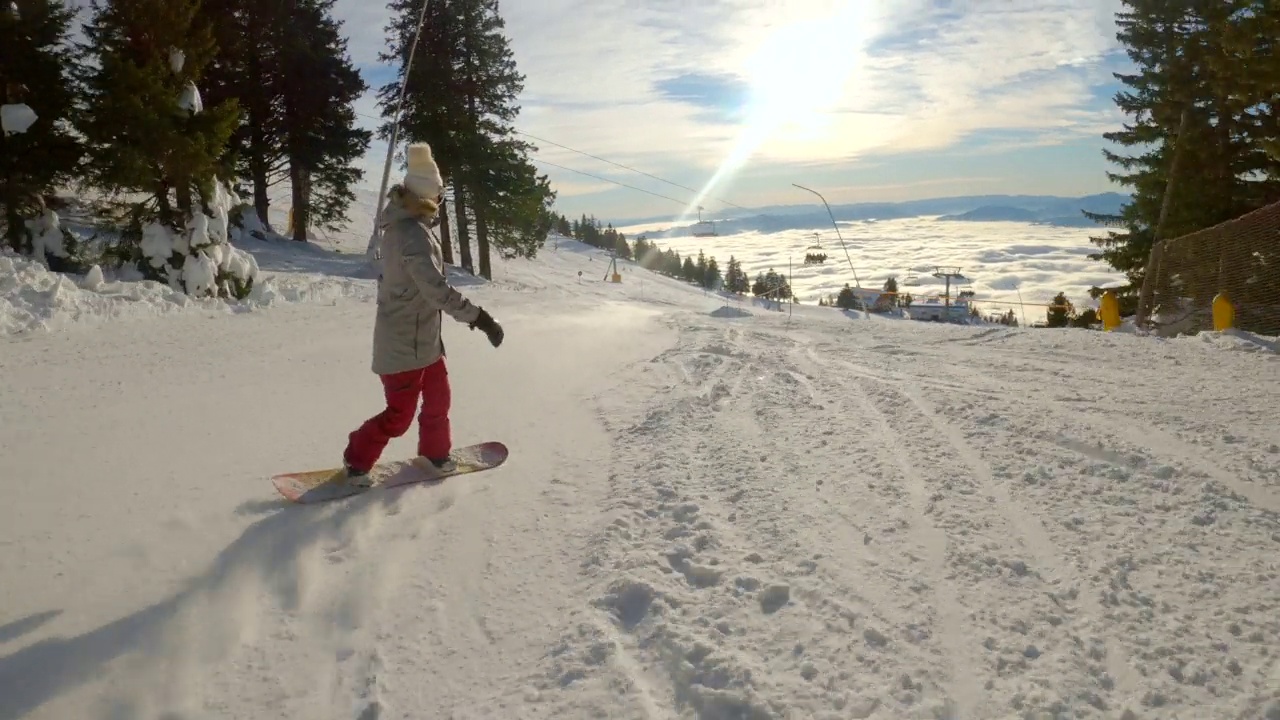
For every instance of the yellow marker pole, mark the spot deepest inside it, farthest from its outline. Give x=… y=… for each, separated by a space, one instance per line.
x=1224 y=313
x=1110 y=311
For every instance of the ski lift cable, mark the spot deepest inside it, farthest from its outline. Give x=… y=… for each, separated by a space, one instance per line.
x=838 y=233
x=625 y=167
x=604 y=160
x=605 y=179
x=375 y=236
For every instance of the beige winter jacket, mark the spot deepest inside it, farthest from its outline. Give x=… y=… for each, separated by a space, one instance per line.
x=413 y=290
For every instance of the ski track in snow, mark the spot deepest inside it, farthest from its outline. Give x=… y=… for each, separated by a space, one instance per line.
x=949 y=580
x=707 y=514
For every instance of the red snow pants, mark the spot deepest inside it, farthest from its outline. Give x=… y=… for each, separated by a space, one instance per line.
x=402 y=391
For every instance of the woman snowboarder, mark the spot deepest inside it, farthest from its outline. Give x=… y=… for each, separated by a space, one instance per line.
x=408 y=355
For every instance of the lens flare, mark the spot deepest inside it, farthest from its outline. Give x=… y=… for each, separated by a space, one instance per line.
x=798 y=76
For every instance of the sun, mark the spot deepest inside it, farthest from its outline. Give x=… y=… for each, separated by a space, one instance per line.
x=799 y=73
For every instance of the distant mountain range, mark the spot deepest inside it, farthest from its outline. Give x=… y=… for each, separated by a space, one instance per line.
x=1039 y=209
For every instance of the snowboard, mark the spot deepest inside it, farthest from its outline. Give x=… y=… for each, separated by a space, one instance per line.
x=315 y=486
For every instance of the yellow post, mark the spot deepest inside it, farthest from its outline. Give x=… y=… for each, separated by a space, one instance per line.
x=1110 y=311
x=1224 y=313
x=290 y=221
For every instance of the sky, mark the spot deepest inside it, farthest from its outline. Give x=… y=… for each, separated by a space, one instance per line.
x=862 y=100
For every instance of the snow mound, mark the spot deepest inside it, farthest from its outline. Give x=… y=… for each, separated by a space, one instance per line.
x=1239 y=341
x=34 y=298
x=730 y=312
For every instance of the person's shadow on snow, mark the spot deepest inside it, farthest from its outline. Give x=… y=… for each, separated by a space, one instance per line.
x=269 y=552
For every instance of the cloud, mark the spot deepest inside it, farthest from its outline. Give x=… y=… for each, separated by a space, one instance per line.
x=676 y=88
x=720 y=97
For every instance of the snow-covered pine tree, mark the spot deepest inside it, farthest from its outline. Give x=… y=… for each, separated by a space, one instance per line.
x=148 y=132
x=35 y=62
x=145 y=128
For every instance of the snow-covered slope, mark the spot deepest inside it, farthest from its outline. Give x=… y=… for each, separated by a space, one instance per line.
x=712 y=510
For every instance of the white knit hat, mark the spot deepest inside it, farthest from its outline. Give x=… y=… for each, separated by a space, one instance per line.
x=423 y=177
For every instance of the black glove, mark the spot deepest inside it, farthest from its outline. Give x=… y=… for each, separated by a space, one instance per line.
x=489 y=327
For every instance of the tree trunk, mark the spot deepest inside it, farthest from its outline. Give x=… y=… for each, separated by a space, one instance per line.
x=446 y=244
x=257 y=114
x=163 y=208
x=258 y=175
x=300 y=180
x=464 y=237
x=15 y=234
x=482 y=240
x=482 y=230
x=182 y=193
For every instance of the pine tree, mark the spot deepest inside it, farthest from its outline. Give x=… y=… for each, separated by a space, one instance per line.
x=1060 y=312
x=689 y=271
x=432 y=111
x=671 y=265
x=462 y=99
x=1192 y=165
x=711 y=277
x=1155 y=122
x=512 y=200
x=623 y=249
x=142 y=123
x=249 y=35
x=1252 y=55
x=286 y=62
x=513 y=207
x=321 y=137
x=846 y=300
x=35 y=70
x=735 y=278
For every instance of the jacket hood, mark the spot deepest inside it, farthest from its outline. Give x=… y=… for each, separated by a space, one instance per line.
x=402 y=204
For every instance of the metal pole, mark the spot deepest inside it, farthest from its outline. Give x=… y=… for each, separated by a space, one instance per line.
x=395 y=128
x=856 y=281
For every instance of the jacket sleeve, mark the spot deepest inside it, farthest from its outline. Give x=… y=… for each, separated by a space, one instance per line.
x=419 y=261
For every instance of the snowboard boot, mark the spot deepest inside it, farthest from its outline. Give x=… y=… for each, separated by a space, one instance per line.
x=358 y=478
x=434 y=466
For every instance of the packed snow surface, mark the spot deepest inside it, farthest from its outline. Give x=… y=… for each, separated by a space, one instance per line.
x=712 y=510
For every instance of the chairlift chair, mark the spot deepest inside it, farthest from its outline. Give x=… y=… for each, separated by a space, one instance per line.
x=704 y=228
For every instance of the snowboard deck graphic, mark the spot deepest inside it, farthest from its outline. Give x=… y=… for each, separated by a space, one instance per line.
x=315 y=486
